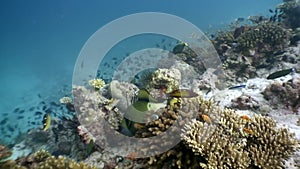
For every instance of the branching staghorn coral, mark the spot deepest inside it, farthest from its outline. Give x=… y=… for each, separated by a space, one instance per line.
x=220 y=138
x=264 y=38
x=234 y=141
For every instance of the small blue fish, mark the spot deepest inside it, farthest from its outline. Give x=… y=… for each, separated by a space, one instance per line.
x=237 y=87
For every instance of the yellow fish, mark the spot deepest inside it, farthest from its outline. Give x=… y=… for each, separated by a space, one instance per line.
x=136 y=115
x=46 y=121
x=144 y=95
x=184 y=93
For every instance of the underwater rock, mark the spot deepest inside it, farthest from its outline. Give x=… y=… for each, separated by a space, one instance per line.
x=124 y=92
x=187 y=73
x=165 y=79
x=295 y=36
x=97 y=114
x=239 y=67
x=209 y=81
x=257 y=47
x=286 y=94
x=289 y=13
x=245 y=102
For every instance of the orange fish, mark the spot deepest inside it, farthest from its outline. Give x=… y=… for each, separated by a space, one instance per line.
x=206 y=118
x=245 y=117
x=249 y=131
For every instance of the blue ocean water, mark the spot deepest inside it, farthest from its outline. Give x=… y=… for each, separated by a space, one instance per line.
x=40 y=42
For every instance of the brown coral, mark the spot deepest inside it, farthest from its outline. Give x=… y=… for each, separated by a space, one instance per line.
x=234 y=141
x=227 y=140
x=43 y=160
x=4 y=154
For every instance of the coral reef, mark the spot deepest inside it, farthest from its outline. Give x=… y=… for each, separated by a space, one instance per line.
x=165 y=79
x=4 y=154
x=179 y=156
x=287 y=93
x=42 y=159
x=260 y=43
x=39 y=160
x=196 y=57
x=97 y=83
x=234 y=141
x=65 y=100
x=248 y=48
x=122 y=92
x=290 y=13
x=61 y=139
x=219 y=138
x=264 y=37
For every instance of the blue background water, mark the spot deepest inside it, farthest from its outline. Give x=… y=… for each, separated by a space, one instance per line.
x=40 y=41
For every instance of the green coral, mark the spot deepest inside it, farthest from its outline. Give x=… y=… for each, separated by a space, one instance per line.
x=97 y=83
x=41 y=155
